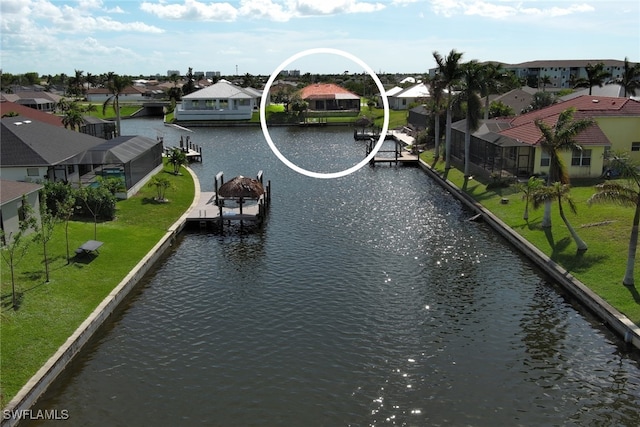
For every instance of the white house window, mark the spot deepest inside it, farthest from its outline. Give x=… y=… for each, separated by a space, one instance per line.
x=70 y=169
x=635 y=146
x=33 y=172
x=544 y=159
x=581 y=158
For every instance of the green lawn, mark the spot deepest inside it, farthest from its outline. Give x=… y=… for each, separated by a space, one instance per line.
x=48 y=313
x=605 y=229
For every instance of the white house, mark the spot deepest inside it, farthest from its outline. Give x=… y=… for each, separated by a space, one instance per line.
x=220 y=101
x=401 y=99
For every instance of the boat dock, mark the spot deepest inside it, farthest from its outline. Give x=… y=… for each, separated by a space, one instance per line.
x=191 y=150
x=213 y=209
x=399 y=155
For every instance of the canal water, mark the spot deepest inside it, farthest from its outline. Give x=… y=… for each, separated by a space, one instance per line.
x=363 y=300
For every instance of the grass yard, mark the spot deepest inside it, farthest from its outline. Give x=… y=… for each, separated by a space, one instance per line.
x=48 y=313
x=605 y=229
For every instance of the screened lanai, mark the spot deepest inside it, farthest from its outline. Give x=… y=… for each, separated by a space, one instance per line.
x=491 y=152
x=132 y=158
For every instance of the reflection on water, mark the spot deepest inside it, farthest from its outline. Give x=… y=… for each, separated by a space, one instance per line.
x=364 y=300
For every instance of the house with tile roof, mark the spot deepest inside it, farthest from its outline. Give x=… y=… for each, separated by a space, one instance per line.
x=511 y=146
x=220 y=101
x=329 y=97
x=8 y=108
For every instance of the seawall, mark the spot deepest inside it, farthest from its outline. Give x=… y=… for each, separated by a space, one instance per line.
x=615 y=320
x=42 y=379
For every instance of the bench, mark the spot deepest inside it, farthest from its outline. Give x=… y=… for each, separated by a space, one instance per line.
x=88 y=247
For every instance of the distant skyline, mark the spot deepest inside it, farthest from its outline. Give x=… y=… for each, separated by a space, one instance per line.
x=256 y=36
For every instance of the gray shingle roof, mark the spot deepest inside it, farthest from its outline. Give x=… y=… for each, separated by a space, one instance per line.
x=32 y=143
x=12 y=190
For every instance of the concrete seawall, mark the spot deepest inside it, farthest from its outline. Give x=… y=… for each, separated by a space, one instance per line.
x=42 y=379
x=615 y=320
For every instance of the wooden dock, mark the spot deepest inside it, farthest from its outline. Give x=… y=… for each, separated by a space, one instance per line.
x=399 y=155
x=212 y=209
x=192 y=151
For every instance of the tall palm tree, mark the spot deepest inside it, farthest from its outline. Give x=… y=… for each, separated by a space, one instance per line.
x=449 y=69
x=624 y=194
x=493 y=77
x=436 y=92
x=471 y=82
x=630 y=79
x=560 y=192
x=116 y=85
x=556 y=139
x=77 y=81
x=596 y=75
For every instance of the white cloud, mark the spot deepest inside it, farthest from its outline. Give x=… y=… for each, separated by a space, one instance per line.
x=273 y=10
x=505 y=9
x=264 y=9
x=192 y=10
x=334 y=7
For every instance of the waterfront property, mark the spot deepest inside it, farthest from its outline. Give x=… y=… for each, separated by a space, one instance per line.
x=329 y=97
x=511 y=146
x=220 y=101
x=36 y=151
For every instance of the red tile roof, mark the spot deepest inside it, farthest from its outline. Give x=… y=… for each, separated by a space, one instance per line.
x=523 y=128
x=325 y=91
x=6 y=107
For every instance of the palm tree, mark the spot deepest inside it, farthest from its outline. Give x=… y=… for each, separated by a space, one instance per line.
x=560 y=192
x=623 y=194
x=471 y=82
x=532 y=184
x=449 y=70
x=545 y=80
x=436 y=90
x=492 y=82
x=596 y=75
x=556 y=139
x=72 y=118
x=630 y=79
x=177 y=158
x=116 y=85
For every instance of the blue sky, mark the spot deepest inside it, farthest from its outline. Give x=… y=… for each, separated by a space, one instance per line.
x=256 y=36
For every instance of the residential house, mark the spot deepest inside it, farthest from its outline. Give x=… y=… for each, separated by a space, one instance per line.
x=511 y=146
x=34 y=151
x=403 y=99
x=129 y=94
x=8 y=108
x=11 y=193
x=35 y=99
x=220 y=101
x=329 y=97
